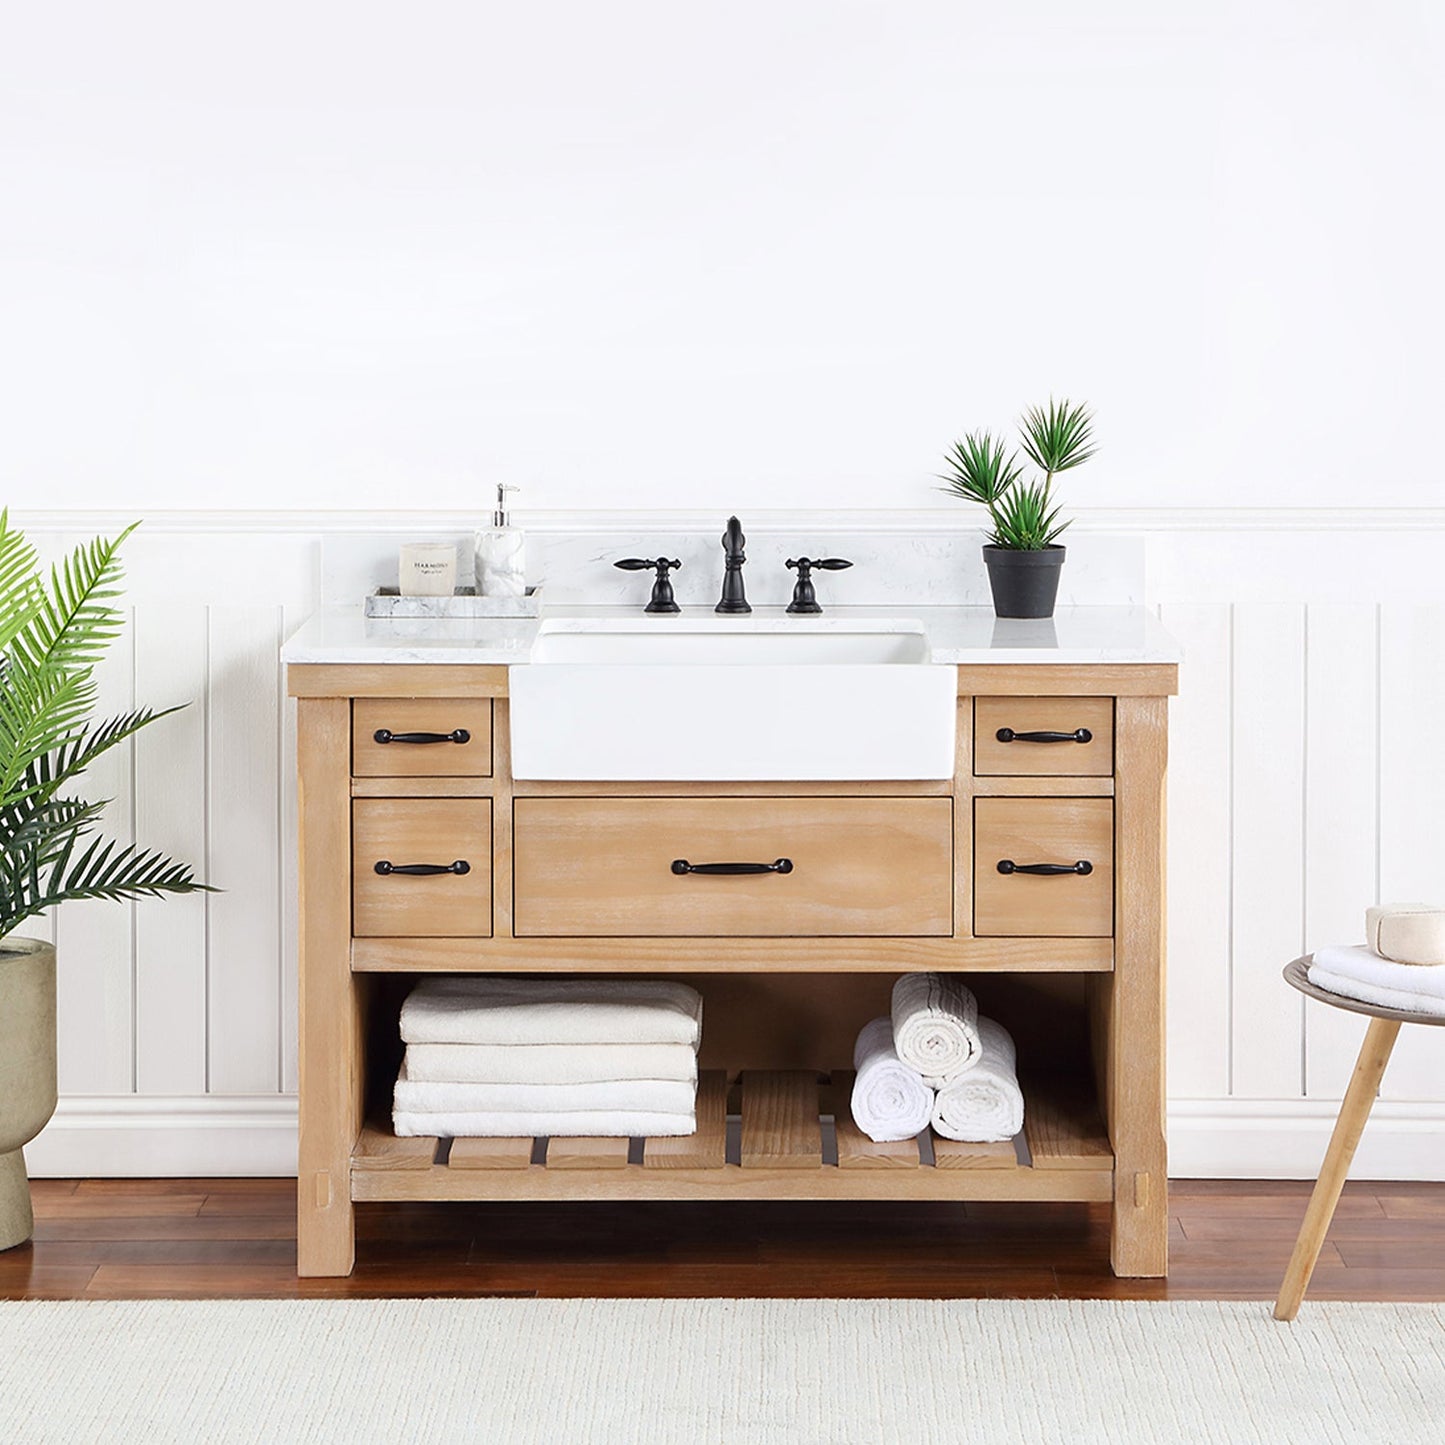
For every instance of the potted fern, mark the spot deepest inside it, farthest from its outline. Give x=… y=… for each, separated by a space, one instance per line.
x=52 y=633
x=1023 y=554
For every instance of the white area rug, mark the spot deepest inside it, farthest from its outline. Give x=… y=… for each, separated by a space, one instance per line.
x=747 y=1372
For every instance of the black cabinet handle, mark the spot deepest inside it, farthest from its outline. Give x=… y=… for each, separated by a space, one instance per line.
x=681 y=866
x=1046 y=870
x=423 y=870
x=457 y=735
x=1079 y=735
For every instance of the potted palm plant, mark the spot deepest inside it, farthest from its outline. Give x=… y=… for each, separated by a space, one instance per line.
x=1023 y=554
x=52 y=632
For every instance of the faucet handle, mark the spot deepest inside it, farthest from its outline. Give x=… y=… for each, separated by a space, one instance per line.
x=805 y=599
x=827 y=564
x=662 y=599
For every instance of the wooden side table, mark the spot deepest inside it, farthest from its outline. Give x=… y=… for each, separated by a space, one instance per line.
x=1354 y=1110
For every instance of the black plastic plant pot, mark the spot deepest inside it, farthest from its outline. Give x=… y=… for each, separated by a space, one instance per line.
x=1024 y=584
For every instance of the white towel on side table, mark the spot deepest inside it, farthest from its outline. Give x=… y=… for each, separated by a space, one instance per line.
x=890 y=1101
x=650 y=1096
x=485 y=1010
x=984 y=1105
x=1355 y=972
x=935 y=1025
x=548 y=1063
x=599 y=1123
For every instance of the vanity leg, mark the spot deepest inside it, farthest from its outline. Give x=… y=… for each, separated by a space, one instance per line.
x=331 y=1017
x=1133 y=1066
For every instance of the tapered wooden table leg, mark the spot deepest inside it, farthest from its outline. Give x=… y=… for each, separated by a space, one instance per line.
x=1359 y=1099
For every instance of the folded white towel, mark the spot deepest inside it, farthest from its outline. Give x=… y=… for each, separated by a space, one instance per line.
x=477 y=1009
x=890 y=1101
x=1407 y=932
x=548 y=1063
x=984 y=1105
x=650 y=1096
x=935 y=1025
x=600 y=1123
x=1356 y=972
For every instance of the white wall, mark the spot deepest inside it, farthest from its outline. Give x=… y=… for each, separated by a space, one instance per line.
x=656 y=255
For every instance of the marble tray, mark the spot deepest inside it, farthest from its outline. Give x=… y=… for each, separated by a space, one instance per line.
x=464 y=602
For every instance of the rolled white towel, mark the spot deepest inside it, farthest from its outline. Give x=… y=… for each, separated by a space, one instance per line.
x=1355 y=972
x=478 y=1009
x=653 y=1096
x=1407 y=933
x=935 y=1025
x=985 y=1105
x=548 y=1063
x=890 y=1101
x=599 y=1123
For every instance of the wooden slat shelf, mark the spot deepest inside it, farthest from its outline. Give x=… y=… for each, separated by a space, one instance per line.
x=783 y=1155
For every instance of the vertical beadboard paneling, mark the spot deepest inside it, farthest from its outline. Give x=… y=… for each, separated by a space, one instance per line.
x=170 y=813
x=243 y=810
x=1199 y=855
x=93 y=939
x=1412 y=806
x=1268 y=869
x=1340 y=816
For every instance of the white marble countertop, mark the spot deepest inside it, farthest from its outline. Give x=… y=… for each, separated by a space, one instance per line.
x=972 y=635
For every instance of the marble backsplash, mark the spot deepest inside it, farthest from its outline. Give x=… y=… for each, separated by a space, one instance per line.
x=892 y=567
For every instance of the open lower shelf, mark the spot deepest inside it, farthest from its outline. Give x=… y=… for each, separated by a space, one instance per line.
x=791 y=1136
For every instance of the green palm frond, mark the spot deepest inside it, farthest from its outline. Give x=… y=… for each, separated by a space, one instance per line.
x=1023 y=515
x=1026 y=520
x=19 y=594
x=978 y=469
x=53 y=631
x=1058 y=436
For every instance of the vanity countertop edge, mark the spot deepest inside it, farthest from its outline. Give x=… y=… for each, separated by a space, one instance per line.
x=963 y=636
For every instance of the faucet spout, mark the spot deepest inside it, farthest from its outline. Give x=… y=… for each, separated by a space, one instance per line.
x=734 y=595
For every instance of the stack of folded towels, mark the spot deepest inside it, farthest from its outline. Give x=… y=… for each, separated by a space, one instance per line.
x=1402 y=966
x=519 y=1057
x=935 y=1061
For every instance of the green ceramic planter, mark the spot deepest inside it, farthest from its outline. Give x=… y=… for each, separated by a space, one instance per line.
x=27 y=1072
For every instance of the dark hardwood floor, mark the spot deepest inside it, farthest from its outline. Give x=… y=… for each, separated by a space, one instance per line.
x=208 y=1238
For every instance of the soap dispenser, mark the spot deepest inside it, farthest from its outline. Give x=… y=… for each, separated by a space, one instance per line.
x=501 y=554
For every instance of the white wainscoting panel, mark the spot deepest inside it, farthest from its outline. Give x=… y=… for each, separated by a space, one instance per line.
x=1267 y=788
x=171 y=648
x=1307 y=777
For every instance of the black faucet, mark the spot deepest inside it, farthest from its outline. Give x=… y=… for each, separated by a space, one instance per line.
x=662 y=598
x=805 y=598
x=734 y=596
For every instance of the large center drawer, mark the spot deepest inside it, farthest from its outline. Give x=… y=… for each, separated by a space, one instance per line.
x=840 y=867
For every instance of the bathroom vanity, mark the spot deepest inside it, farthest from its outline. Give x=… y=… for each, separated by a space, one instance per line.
x=1030 y=857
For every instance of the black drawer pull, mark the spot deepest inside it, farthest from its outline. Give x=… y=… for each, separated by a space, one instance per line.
x=1079 y=735
x=457 y=735
x=423 y=870
x=681 y=866
x=1046 y=870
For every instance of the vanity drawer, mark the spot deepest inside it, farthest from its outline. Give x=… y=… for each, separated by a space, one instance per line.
x=451 y=834
x=1001 y=745
x=1024 y=833
x=421 y=737
x=610 y=867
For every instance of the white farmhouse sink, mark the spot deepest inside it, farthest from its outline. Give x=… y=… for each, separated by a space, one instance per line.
x=717 y=699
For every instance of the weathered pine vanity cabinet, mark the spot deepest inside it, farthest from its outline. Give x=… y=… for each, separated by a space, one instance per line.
x=1059 y=763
